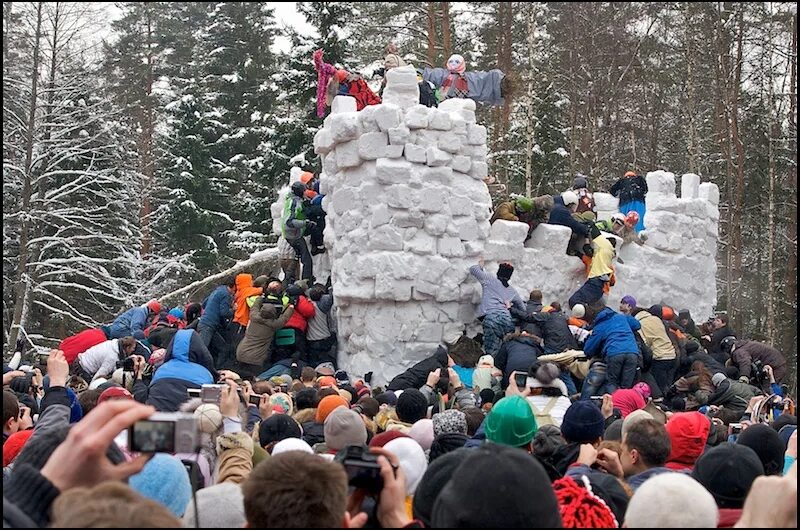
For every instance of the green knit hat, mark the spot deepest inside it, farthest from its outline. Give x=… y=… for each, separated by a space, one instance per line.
x=511 y=422
x=524 y=204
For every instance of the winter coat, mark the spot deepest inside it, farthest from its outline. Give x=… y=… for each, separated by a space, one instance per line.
x=264 y=322
x=688 y=433
x=293 y=221
x=601 y=260
x=131 y=323
x=655 y=336
x=733 y=395
x=217 y=310
x=303 y=311
x=318 y=328
x=638 y=479
x=560 y=215
x=612 y=334
x=728 y=517
x=494 y=294
x=188 y=364
x=506 y=211
x=747 y=351
x=101 y=359
x=417 y=375
x=552 y=328
x=79 y=343
x=517 y=353
x=244 y=290
x=629 y=189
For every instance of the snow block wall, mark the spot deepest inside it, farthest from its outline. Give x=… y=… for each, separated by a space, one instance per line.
x=408 y=213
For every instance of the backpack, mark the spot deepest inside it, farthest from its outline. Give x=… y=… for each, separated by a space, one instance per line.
x=427 y=96
x=645 y=351
x=543 y=416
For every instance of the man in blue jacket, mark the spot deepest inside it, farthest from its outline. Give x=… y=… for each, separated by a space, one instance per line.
x=217 y=312
x=132 y=322
x=612 y=339
x=188 y=364
x=564 y=207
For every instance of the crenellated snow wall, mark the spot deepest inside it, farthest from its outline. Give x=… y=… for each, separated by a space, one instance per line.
x=408 y=213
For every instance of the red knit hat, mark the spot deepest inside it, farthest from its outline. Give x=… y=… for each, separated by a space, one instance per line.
x=14 y=445
x=386 y=437
x=154 y=306
x=115 y=392
x=306 y=176
x=581 y=508
x=327 y=380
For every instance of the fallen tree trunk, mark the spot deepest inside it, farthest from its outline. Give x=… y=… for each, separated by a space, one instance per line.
x=264 y=262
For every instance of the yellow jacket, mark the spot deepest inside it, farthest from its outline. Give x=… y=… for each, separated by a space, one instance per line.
x=655 y=336
x=601 y=260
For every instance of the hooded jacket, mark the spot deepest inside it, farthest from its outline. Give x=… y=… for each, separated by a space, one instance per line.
x=655 y=336
x=612 y=335
x=517 y=353
x=560 y=215
x=629 y=189
x=80 y=342
x=102 y=358
x=188 y=364
x=244 y=290
x=264 y=322
x=417 y=375
x=217 y=309
x=688 y=433
x=131 y=323
x=747 y=351
x=506 y=211
x=551 y=327
x=303 y=311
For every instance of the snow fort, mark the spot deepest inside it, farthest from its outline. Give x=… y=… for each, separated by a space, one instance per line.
x=408 y=213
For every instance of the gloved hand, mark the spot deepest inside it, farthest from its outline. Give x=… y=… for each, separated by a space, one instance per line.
x=744 y=379
x=311 y=224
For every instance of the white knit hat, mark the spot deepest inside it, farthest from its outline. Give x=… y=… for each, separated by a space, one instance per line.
x=291 y=444
x=578 y=311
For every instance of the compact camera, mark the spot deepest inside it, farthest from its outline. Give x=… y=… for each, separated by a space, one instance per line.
x=211 y=393
x=362 y=468
x=126 y=364
x=165 y=432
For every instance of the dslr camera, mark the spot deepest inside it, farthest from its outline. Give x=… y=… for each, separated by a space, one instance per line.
x=126 y=364
x=362 y=468
x=165 y=432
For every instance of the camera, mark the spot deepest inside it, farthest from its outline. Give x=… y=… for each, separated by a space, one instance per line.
x=734 y=429
x=362 y=468
x=255 y=399
x=165 y=432
x=211 y=393
x=521 y=379
x=126 y=364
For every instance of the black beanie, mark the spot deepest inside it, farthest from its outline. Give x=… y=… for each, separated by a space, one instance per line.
x=727 y=471
x=433 y=481
x=487 y=396
x=783 y=420
x=39 y=448
x=446 y=442
x=767 y=444
x=614 y=431
x=505 y=271
x=466 y=501
x=412 y=406
x=278 y=427
x=306 y=399
x=387 y=398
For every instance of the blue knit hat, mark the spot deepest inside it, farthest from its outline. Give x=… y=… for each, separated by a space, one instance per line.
x=75 y=410
x=164 y=479
x=177 y=312
x=583 y=422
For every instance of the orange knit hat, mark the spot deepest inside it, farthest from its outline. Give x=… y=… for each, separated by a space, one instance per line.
x=327 y=405
x=327 y=380
x=305 y=176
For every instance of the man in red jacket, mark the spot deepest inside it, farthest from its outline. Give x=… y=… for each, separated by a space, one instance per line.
x=298 y=323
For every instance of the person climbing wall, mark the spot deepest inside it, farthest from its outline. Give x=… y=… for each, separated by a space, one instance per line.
x=631 y=190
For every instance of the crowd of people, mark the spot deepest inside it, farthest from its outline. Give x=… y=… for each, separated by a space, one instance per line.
x=596 y=418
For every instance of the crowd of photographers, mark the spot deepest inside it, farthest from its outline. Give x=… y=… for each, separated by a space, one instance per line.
x=233 y=413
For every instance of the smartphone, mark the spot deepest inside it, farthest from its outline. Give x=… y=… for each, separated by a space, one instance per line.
x=255 y=399
x=596 y=398
x=521 y=379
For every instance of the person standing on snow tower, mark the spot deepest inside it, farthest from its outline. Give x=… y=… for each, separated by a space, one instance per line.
x=631 y=190
x=294 y=225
